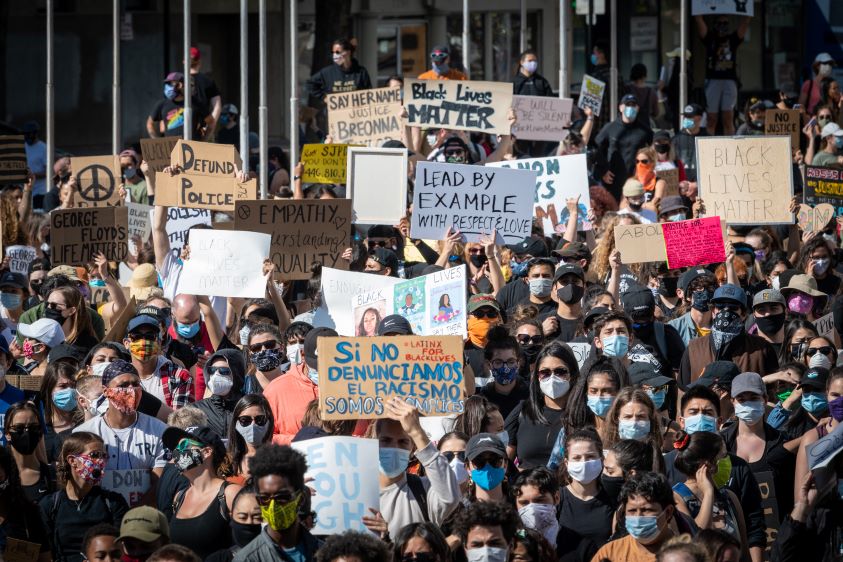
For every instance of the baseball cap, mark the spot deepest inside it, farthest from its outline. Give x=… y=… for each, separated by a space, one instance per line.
x=195 y=54
x=719 y=373
x=174 y=77
x=758 y=106
x=130 y=153
x=145 y=524
x=831 y=129
x=440 y=51
x=641 y=373
x=633 y=188
x=693 y=110
x=768 y=296
x=747 y=382
x=815 y=377
x=661 y=136
x=395 y=324
x=230 y=108
x=15 y=280
x=66 y=270
x=729 y=293
x=172 y=436
x=67 y=351
x=529 y=247
x=484 y=443
x=142 y=320
x=576 y=250
x=385 y=257
x=690 y=275
x=592 y=315
x=638 y=303
x=44 y=330
x=823 y=57
x=566 y=268
x=310 y=353
x=629 y=99
x=479 y=301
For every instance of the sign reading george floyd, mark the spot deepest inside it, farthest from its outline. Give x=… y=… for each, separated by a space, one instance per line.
x=459 y=104
x=367 y=117
x=97 y=180
x=202 y=192
x=324 y=163
x=156 y=152
x=746 y=180
x=78 y=235
x=783 y=122
x=541 y=118
x=358 y=375
x=206 y=159
x=303 y=232
x=473 y=200
x=728 y=7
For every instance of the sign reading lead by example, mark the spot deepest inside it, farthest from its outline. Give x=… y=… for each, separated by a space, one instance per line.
x=358 y=375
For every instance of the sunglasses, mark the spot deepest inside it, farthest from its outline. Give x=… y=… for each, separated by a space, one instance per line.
x=55 y=306
x=655 y=390
x=487 y=314
x=451 y=455
x=246 y=421
x=419 y=557
x=257 y=347
x=281 y=497
x=644 y=161
x=524 y=339
x=224 y=371
x=825 y=350
x=561 y=372
x=20 y=428
x=138 y=336
x=458 y=152
x=378 y=244
x=493 y=460
x=475 y=251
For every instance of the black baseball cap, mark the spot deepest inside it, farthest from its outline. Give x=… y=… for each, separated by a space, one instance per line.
x=311 y=357
x=638 y=302
x=629 y=99
x=693 y=110
x=576 y=250
x=172 y=436
x=592 y=315
x=529 y=246
x=386 y=258
x=718 y=373
x=565 y=269
x=484 y=443
x=641 y=373
x=10 y=279
x=395 y=324
x=815 y=378
x=690 y=275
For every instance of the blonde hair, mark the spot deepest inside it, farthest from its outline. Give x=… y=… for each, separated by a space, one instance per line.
x=600 y=260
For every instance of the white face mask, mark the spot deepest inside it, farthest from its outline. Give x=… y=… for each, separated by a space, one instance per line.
x=487 y=554
x=294 y=353
x=458 y=467
x=554 y=387
x=585 y=472
x=98 y=368
x=541 y=517
x=824 y=69
x=220 y=385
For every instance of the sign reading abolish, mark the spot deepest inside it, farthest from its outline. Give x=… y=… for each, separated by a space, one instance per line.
x=541 y=118
x=13 y=164
x=357 y=375
x=734 y=7
x=693 y=242
x=157 y=152
x=179 y=222
x=824 y=185
x=559 y=177
x=783 y=122
x=746 y=180
x=591 y=94
x=226 y=263
x=366 y=117
x=324 y=163
x=303 y=232
x=78 y=235
x=459 y=104
x=473 y=200
x=97 y=180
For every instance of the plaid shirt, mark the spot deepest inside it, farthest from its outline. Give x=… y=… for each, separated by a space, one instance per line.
x=177 y=385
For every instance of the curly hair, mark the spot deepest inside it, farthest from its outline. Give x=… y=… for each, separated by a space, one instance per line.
x=491 y=514
x=606 y=244
x=429 y=533
x=13 y=231
x=353 y=544
x=278 y=460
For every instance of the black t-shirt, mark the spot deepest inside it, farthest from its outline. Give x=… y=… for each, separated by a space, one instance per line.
x=721 y=56
x=511 y=294
x=149 y=404
x=46 y=484
x=685 y=145
x=567 y=329
x=204 y=89
x=829 y=284
x=172 y=114
x=591 y=519
x=171 y=482
x=533 y=442
x=25 y=525
x=506 y=402
x=674 y=346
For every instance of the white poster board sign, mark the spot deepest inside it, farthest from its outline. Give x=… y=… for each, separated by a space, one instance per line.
x=179 y=221
x=377 y=184
x=19 y=258
x=541 y=118
x=140 y=224
x=226 y=263
x=730 y=7
x=338 y=287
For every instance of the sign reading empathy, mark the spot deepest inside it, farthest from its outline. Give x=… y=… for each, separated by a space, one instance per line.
x=459 y=104
x=746 y=180
x=226 y=263
x=541 y=118
x=357 y=375
x=78 y=235
x=474 y=200
x=366 y=117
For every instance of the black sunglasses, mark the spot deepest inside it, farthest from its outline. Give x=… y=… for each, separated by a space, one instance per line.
x=560 y=372
x=451 y=455
x=246 y=421
x=825 y=350
x=524 y=339
x=257 y=347
x=486 y=314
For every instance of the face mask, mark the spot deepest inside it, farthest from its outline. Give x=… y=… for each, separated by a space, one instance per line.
x=657 y=398
x=244 y=334
x=25 y=442
x=687 y=123
x=294 y=352
x=441 y=68
x=253 y=433
x=65 y=399
x=631 y=429
x=94 y=405
x=531 y=352
x=393 y=461
x=724 y=471
x=819 y=360
x=478 y=261
x=220 y=384
x=29 y=349
x=540 y=287
x=700 y=422
x=130 y=172
x=770 y=324
x=487 y=554
x=662 y=148
x=760 y=255
x=593 y=59
x=824 y=69
x=54 y=315
x=615 y=345
x=814 y=402
x=97 y=369
x=553 y=387
x=187 y=331
x=458 y=468
x=531 y=66
x=758 y=124
x=489 y=477
x=725 y=327
x=337 y=58
x=750 y=412
x=143 y=350
x=505 y=375
x=570 y=294
x=835 y=408
x=541 y=517
x=585 y=472
x=91 y=470
x=612 y=484
x=267 y=360
x=823 y=121
x=478 y=329
x=782 y=396
x=700 y=300
x=667 y=286
x=676 y=217
x=821 y=266
x=599 y=404
x=244 y=533
x=10 y=301
x=630 y=112
x=797 y=351
x=838 y=142
x=281 y=516
x=643 y=527
x=800 y=303
x=187 y=459
x=170 y=91
x=125 y=400
x=504 y=437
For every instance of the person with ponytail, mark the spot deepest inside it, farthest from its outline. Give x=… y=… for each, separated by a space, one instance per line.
x=503 y=359
x=80 y=503
x=24 y=433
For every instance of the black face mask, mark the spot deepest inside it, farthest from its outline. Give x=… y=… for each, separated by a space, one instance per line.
x=612 y=484
x=243 y=533
x=54 y=314
x=570 y=293
x=531 y=352
x=478 y=260
x=25 y=442
x=662 y=148
x=667 y=286
x=770 y=324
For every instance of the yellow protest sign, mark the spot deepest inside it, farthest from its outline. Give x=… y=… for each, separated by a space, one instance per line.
x=324 y=163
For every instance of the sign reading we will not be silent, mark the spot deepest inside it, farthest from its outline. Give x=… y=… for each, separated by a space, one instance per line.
x=463 y=105
x=358 y=375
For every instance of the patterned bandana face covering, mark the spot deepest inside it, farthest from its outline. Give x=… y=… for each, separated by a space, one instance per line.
x=124 y=399
x=281 y=516
x=91 y=470
x=144 y=349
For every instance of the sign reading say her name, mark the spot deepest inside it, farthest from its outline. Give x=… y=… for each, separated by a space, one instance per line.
x=459 y=104
x=225 y=263
x=541 y=118
x=367 y=117
x=473 y=200
x=78 y=235
x=733 y=7
x=746 y=180
x=346 y=486
x=303 y=232
x=358 y=375
x=97 y=180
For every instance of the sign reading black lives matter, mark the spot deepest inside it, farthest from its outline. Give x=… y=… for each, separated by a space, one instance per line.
x=98 y=180
x=746 y=180
x=459 y=104
x=78 y=235
x=473 y=200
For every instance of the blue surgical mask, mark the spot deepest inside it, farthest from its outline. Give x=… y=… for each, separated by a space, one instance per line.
x=593 y=59
x=700 y=422
x=187 y=330
x=599 y=404
x=630 y=112
x=10 y=301
x=313 y=375
x=750 y=412
x=393 y=461
x=814 y=402
x=441 y=68
x=657 y=398
x=130 y=172
x=96 y=283
x=65 y=399
x=518 y=269
x=676 y=217
x=170 y=91
x=631 y=429
x=642 y=527
x=489 y=477
x=687 y=123
x=615 y=345
x=531 y=66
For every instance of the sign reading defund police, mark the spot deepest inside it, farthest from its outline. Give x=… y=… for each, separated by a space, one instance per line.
x=358 y=375
x=459 y=104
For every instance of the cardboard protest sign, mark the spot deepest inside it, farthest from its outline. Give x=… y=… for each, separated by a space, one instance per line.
x=693 y=242
x=733 y=7
x=358 y=375
x=19 y=258
x=541 y=118
x=464 y=105
x=433 y=304
x=346 y=486
x=473 y=200
x=825 y=325
x=367 y=117
x=824 y=185
x=202 y=192
x=18 y=550
x=640 y=243
x=746 y=180
x=303 y=232
x=814 y=219
x=377 y=184
x=98 y=180
x=559 y=177
x=324 y=163
x=783 y=122
x=78 y=235
x=179 y=221
x=591 y=94
x=338 y=287
x=225 y=264
x=206 y=159
x=671 y=179
x=157 y=152
x=13 y=164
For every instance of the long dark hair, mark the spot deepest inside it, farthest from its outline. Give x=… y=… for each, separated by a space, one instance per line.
x=52 y=373
x=429 y=533
x=236 y=444
x=790 y=329
x=579 y=414
x=535 y=403
x=475 y=415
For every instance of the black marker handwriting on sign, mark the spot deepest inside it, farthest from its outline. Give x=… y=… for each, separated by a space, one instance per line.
x=442 y=178
x=200 y=166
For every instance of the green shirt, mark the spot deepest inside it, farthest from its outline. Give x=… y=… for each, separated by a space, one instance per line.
x=137 y=192
x=824 y=159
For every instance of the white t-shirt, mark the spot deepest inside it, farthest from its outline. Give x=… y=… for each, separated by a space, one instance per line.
x=171 y=274
x=153 y=385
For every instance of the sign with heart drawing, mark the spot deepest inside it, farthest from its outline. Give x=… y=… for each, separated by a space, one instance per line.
x=814 y=219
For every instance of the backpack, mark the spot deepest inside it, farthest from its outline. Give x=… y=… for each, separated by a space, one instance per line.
x=179 y=499
x=54 y=510
x=419 y=493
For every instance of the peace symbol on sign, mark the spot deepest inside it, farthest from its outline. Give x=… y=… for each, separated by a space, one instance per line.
x=100 y=187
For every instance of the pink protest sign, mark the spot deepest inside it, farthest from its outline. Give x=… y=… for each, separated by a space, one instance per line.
x=693 y=242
